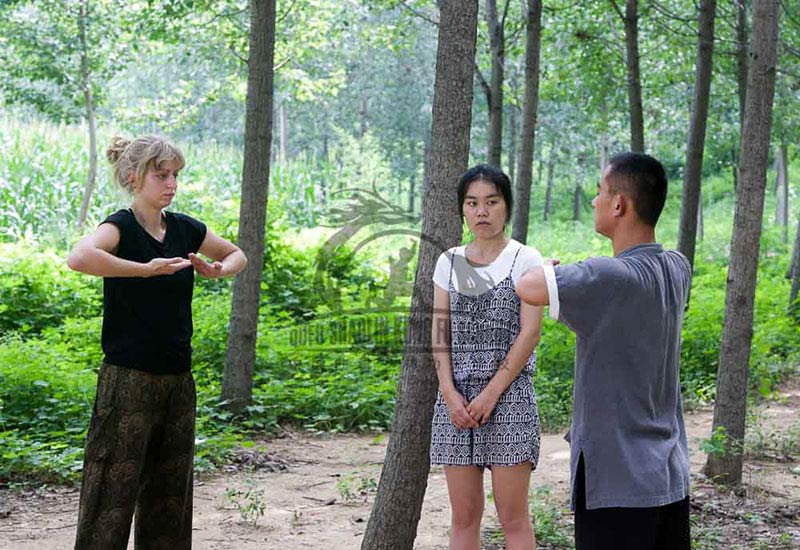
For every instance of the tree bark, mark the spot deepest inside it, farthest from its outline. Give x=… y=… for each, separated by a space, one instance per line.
x=782 y=192
x=734 y=357
x=533 y=39
x=604 y=136
x=284 y=153
x=512 y=142
x=412 y=181
x=237 y=382
x=548 y=194
x=398 y=504
x=700 y=229
x=794 y=272
x=494 y=97
x=741 y=56
x=83 y=16
x=690 y=204
x=631 y=20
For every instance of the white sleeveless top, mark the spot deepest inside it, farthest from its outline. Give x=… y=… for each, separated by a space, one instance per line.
x=473 y=280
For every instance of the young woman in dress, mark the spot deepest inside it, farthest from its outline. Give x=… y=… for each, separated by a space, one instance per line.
x=483 y=342
x=140 y=444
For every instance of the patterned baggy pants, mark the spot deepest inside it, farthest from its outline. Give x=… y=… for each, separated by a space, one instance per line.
x=139 y=457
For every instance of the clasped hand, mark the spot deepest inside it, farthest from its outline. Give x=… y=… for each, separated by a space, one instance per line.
x=170 y=266
x=470 y=414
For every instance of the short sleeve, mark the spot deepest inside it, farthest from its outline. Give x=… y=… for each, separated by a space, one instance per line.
x=120 y=218
x=441 y=273
x=528 y=258
x=195 y=231
x=583 y=292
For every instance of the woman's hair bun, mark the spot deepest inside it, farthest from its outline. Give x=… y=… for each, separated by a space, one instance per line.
x=116 y=148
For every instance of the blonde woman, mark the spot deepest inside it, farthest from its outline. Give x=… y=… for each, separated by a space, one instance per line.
x=140 y=443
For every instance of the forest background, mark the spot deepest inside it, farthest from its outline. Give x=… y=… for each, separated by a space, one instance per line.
x=353 y=94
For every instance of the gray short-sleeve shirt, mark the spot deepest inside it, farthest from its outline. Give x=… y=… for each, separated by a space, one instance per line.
x=627 y=420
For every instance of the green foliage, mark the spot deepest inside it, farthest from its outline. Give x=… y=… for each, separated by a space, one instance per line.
x=717 y=444
x=39 y=291
x=46 y=387
x=330 y=333
x=550 y=519
x=352 y=488
x=249 y=502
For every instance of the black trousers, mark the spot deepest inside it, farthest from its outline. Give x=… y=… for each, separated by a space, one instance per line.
x=139 y=458
x=658 y=528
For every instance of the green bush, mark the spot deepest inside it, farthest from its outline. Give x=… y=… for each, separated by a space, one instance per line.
x=37 y=290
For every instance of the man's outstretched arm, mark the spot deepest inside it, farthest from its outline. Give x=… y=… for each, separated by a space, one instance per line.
x=532 y=287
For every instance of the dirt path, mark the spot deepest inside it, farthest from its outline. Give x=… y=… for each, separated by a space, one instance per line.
x=316 y=492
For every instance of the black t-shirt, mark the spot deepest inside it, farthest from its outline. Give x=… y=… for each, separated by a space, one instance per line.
x=147 y=322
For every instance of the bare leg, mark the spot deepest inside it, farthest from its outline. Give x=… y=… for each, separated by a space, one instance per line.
x=510 y=485
x=465 y=487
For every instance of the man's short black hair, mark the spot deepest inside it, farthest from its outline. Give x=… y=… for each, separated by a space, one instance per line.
x=643 y=179
x=489 y=174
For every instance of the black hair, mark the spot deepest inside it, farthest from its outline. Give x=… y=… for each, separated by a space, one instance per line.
x=489 y=174
x=643 y=179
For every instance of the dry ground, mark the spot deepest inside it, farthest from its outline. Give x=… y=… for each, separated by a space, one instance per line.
x=316 y=492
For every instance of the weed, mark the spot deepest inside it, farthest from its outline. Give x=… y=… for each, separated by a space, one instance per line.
x=352 y=488
x=249 y=502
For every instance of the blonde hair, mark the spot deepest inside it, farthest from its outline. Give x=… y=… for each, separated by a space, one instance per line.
x=139 y=156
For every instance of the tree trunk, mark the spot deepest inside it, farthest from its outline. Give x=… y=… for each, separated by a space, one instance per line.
x=603 y=151
x=741 y=56
x=634 y=79
x=83 y=16
x=782 y=192
x=576 y=203
x=794 y=272
x=412 y=181
x=284 y=153
x=362 y=117
x=690 y=204
x=237 y=382
x=522 y=203
x=604 y=137
x=494 y=142
x=737 y=332
x=512 y=142
x=398 y=504
x=548 y=194
x=700 y=228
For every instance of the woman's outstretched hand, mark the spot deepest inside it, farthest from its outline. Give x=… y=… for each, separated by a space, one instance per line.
x=165 y=266
x=211 y=270
x=457 y=406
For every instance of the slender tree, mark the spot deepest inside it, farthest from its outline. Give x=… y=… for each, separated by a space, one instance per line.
x=533 y=40
x=741 y=55
x=493 y=89
x=634 y=84
x=91 y=119
x=398 y=504
x=782 y=191
x=548 y=194
x=794 y=273
x=734 y=357
x=237 y=382
x=690 y=204
x=742 y=43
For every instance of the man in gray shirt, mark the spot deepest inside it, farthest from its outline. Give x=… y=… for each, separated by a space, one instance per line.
x=630 y=460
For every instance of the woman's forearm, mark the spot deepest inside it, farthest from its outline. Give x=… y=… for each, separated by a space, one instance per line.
x=514 y=362
x=233 y=263
x=98 y=262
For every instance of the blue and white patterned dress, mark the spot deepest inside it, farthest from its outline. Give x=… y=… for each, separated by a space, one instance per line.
x=482 y=330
